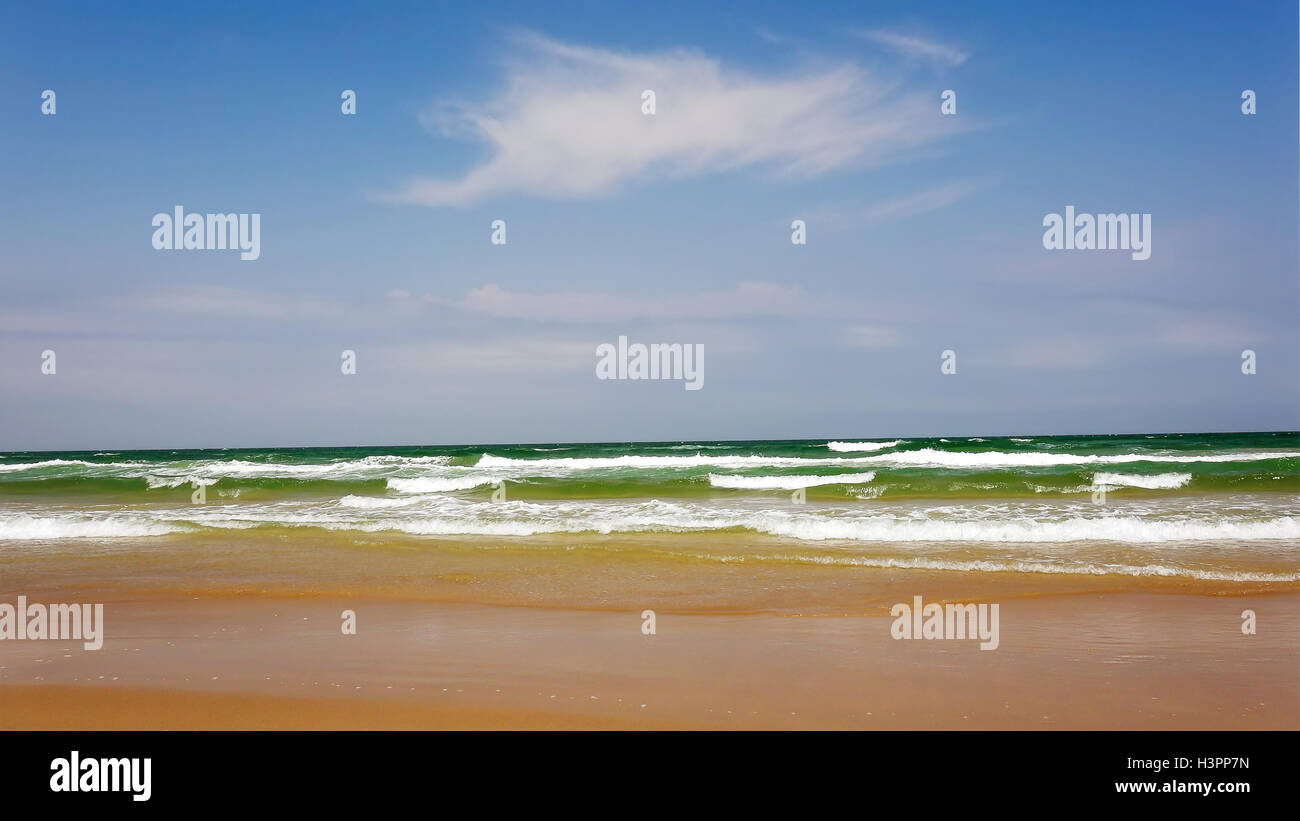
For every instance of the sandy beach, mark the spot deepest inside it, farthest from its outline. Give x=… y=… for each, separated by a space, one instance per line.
x=793 y=647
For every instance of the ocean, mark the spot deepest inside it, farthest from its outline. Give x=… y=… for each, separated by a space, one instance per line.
x=1220 y=507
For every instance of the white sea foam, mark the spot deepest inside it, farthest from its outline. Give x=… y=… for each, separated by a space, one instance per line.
x=155 y=482
x=378 y=502
x=646 y=462
x=444 y=514
x=874 y=535
x=1160 y=481
x=43 y=528
x=924 y=457
x=861 y=446
x=1004 y=566
x=873 y=492
x=440 y=485
x=929 y=457
x=787 y=482
x=38 y=465
x=174 y=474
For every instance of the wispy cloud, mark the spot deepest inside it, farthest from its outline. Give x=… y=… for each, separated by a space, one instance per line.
x=870 y=337
x=232 y=304
x=568 y=123
x=846 y=217
x=746 y=299
x=919 y=47
x=922 y=202
x=767 y=35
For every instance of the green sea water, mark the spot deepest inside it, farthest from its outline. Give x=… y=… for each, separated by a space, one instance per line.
x=1220 y=506
x=964 y=468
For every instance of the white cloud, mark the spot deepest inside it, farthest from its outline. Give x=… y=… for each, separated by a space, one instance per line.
x=524 y=355
x=568 y=123
x=1055 y=353
x=842 y=218
x=231 y=303
x=922 y=202
x=870 y=337
x=746 y=299
x=913 y=46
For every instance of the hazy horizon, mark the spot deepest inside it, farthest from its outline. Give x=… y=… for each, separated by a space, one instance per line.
x=700 y=439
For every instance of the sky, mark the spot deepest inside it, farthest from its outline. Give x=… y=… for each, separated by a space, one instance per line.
x=924 y=230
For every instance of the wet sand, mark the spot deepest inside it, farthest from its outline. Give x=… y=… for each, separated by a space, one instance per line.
x=1077 y=660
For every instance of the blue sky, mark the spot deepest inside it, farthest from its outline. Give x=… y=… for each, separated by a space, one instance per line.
x=924 y=230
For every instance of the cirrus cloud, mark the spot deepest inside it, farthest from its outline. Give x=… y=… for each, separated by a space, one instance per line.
x=568 y=123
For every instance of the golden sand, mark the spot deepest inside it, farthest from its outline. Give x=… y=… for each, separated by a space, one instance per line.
x=1082 y=661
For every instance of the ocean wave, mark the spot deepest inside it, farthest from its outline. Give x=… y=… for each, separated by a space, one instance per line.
x=787 y=482
x=440 y=469
x=156 y=482
x=440 y=485
x=174 y=474
x=929 y=457
x=861 y=446
x=524 y=519
x=48 y=528
x=873 y=492
x=923 y=457
x=634 y=461
x=1066 y=490
x=45 y=464
x=453 y=515
x=1159 y=538
x=1160 y=481
x=378 y=502
x=1005 y=566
